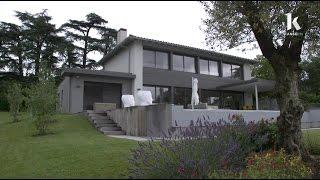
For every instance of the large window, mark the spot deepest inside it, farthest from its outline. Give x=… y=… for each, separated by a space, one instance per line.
x=155 y=59
x=183 y=63
x=182 y=96
x=210 y=97
x=160 y=94
x=232 y=71
x=208 y=67
x=232 y=101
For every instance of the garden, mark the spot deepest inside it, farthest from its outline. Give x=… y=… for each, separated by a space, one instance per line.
x=36 y=141
x=226 y=149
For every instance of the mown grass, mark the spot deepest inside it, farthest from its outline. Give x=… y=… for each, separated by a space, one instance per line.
x=311 y=139
x=73 y=149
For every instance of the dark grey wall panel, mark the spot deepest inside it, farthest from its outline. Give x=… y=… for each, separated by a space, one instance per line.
x=153 y=76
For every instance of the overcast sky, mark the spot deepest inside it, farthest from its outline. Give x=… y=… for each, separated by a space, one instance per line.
x=176 y=22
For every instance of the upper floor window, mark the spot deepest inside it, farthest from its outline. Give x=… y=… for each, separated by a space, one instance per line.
x=208 y=67
x=232 y=71
x=155 y=59
x=183 y=63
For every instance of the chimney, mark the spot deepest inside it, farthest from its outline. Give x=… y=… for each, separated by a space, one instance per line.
x=121 y=35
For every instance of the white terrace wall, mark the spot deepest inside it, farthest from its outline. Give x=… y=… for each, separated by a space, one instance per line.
x=183 y=117
x=155 y=120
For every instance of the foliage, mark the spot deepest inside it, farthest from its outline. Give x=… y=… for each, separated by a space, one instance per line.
x=199 y=150
x=36 y=40
x=4 y=104
x=80 y=31
x=13 y=47
x=233 y=23
x=252 y=20
x=42 y=39
x=310 y=83
x=274 y=165
x=15 y=99
x=262 y=69
x=42 y=104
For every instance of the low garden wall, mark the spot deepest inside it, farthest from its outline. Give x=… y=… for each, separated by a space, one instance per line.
x=155 y=120
x=143 y=120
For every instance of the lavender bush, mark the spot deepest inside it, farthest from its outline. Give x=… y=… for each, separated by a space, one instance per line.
x=197 y=151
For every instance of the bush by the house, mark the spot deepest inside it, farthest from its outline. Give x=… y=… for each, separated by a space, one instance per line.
x=42 y=102
x=200 y=151
x=15 y=99
x=275 y=164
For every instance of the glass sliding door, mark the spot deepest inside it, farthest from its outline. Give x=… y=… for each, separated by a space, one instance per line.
x=210 y=97
x=232 y=100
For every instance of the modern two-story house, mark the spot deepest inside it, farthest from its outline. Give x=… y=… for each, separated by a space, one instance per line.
x=165 y=69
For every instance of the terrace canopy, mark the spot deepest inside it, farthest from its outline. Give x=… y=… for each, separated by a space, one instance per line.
x=253 y=86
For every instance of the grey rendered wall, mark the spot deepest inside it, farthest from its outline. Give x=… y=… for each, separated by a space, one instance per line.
x=248 y=99
x=77 y=89
x=136 y=65
x=129 y=60
x=119 y=62
x=247 y=71
x=64 y=94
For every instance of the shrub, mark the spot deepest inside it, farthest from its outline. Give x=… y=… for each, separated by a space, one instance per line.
x=42 y=104
x=201 y=150
x=15 y=99
x=275 y=164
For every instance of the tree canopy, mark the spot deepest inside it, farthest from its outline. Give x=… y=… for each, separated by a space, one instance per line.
x=36 y=44
x=80 y=31
x=233 y=23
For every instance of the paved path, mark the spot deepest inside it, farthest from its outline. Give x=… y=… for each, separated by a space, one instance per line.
x=135 y=138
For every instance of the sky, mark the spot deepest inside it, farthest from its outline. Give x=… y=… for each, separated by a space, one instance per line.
x=177 y=22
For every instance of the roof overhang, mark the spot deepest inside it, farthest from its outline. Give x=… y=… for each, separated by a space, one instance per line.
x=87 y=72
x=167 y=46
x=263 y=85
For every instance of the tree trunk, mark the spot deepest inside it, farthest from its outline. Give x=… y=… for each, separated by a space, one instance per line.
x=291 y=108
x=20 y=65
x=37 y=60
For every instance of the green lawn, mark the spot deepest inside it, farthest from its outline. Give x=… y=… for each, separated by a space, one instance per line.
x=312 y=140
x=74 y=149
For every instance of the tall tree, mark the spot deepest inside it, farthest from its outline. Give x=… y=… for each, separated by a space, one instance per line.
x=235 y=23
x=12 y=47
x=81 y=32
x=69 y=55
x=42 y=37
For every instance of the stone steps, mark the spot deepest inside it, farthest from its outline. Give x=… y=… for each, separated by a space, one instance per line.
x=103 y=123
x=113 y=132
x=110 y=129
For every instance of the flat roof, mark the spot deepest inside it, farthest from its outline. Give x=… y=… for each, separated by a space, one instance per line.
x=263 y=85
x=78 y=71
x=167 y=46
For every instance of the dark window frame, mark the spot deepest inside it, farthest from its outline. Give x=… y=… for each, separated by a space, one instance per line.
x=155 y=58
x=208 y=65
x=183 y=62
x=233 y=64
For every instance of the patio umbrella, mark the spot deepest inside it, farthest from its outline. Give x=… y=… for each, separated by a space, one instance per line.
x=195 y=96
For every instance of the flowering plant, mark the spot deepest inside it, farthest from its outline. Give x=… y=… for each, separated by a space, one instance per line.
x=275 y=164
